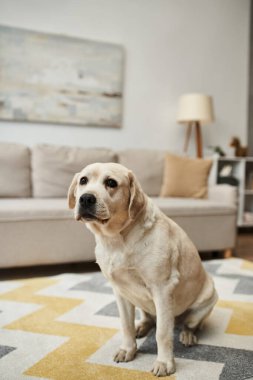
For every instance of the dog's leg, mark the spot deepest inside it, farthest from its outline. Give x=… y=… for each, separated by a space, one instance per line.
x=128 y=348
x=194 y=319
x=165 y=363
x=144 y=325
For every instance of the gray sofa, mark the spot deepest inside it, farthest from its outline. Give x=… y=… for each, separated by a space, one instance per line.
x=36 y=226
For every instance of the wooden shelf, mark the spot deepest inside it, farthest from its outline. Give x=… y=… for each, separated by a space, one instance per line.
x=237 y=159
x=245 y=224
x=242 y=170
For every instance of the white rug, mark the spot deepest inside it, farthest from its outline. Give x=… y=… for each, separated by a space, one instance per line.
x=66 y=327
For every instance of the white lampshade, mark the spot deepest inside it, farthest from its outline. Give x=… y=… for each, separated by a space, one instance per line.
x=195 y=107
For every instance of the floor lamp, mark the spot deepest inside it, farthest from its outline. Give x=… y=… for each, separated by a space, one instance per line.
x=195 y=110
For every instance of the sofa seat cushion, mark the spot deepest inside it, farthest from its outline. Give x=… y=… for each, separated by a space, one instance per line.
x=192 y=207
x=34 y=209
x=210 y=224
x=41 y=232
x=57 y=208
x=55 y=234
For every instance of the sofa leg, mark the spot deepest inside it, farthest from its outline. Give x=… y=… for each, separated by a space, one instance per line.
x=228 y=253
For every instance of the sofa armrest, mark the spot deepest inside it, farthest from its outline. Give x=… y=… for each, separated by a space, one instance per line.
x=223 y=193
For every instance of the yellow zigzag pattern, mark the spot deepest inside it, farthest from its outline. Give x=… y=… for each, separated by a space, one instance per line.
x=241 y=322
x=67 y=362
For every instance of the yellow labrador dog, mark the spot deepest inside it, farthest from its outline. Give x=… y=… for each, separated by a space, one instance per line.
x=149 y=260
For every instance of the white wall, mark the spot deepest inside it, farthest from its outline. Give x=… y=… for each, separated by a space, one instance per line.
x=172 y=47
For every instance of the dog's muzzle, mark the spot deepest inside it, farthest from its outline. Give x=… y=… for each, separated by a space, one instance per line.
x=87 y=209
x=87 y=206
x=87 y=201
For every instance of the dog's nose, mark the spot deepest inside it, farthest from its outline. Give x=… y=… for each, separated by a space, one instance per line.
x=87 y=200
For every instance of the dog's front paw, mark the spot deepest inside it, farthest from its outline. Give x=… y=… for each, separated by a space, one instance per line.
x=124 y=355
x=163 y=369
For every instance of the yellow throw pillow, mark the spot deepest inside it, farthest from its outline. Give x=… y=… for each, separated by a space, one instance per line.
x=185 y=177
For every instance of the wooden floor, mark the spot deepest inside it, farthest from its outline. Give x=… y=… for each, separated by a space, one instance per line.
x=244 y=250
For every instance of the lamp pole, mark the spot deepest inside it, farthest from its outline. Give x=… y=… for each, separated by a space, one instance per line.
x=199 y=148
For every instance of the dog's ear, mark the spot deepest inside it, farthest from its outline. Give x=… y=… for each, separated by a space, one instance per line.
x=137 y=198
x=71 y=192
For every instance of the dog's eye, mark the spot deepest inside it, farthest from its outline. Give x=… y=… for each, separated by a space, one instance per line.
x=83 y=181
x=111 y=183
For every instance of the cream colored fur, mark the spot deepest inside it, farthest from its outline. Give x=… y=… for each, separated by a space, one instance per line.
x=149 y=260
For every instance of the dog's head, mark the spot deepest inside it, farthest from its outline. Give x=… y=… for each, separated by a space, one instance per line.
x=106 y=194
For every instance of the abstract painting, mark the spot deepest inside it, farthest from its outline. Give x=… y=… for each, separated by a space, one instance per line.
x=56 y=79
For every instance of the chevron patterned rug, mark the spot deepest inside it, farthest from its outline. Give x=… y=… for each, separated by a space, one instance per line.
x=67 y=327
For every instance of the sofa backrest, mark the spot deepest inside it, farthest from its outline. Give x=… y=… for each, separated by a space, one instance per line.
x=50 y=171
x=148 y=166
x=15 y=171
x=53 y=167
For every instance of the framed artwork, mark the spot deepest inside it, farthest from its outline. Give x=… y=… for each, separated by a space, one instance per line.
x=56 y=79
